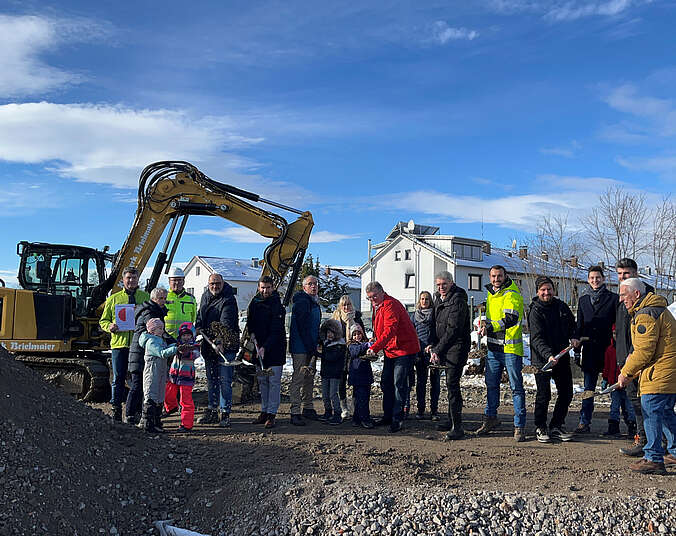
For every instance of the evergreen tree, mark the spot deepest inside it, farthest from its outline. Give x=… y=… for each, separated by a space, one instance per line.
x=330 y=289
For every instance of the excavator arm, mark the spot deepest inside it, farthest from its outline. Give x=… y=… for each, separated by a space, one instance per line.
x=170 y=192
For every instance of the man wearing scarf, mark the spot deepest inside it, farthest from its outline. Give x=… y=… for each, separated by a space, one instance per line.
x=595 y=318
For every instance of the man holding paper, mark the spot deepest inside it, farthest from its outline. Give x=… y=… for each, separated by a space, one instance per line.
x=118 y=320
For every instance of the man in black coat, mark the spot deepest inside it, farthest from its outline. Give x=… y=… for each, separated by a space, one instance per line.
x=452 y=327
x=596 y=312
x=154 y=308
x=218 y=305
x=265 y=323
x=626 y=269
x=551 y=325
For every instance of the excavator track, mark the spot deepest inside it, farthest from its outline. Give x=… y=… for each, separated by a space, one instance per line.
x=85 y=378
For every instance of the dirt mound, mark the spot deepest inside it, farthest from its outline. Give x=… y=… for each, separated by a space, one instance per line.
x=66 y=469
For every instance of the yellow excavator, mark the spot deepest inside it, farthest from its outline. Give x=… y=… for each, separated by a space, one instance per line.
x=52 y=322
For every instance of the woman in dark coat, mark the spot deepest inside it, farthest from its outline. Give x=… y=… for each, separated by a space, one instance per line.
x=155 y=308
x=346 y=314
x=423 y=320
x=265 y=323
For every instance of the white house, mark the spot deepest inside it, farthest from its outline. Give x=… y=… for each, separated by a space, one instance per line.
x=406 y=262
x=243 y=274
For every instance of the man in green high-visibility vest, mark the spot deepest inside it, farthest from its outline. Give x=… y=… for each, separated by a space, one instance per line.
x=181 y=305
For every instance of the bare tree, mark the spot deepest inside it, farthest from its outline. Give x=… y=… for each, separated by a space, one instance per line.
x=618 y=225
x=663 y=244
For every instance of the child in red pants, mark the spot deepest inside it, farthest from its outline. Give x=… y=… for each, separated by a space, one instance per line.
x=182 y=377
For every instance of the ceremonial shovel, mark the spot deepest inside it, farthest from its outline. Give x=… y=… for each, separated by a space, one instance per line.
x=550 y=364
x=226 y=362
x=591 y=394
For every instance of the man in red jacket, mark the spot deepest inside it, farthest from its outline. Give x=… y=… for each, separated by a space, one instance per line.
x=396 y=336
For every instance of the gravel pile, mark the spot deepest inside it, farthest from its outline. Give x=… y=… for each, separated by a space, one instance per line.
x=422 y=510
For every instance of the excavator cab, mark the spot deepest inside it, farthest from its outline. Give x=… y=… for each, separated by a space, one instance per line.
x=62 y=270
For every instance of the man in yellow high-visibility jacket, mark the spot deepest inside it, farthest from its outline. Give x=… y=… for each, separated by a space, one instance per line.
x=181 y=304
x=504 y=314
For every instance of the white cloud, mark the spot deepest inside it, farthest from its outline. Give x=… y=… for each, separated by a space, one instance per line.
x=23 y=39
x=664 y=166
x=21 y=198
x=323 y=237
x=112 y=144
x=442 y=33
x=567 y=151
x=570 y=10
x=552 y=194
x=244 y=235
x=10 y=278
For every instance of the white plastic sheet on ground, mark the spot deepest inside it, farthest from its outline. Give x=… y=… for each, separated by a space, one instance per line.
x=166 y=529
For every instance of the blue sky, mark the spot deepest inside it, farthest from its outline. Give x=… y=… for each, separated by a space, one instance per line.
x=365 y=113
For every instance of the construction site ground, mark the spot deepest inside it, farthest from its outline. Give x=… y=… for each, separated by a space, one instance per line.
x=66 y=469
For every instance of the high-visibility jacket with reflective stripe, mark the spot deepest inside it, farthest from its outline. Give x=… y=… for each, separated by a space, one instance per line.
x=503 y=337
x=182 y=308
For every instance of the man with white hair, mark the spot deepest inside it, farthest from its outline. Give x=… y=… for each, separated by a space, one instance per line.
x=653 y=361
x=306 y=316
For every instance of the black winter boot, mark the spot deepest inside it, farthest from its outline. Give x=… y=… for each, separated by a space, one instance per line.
x=157 y=421
x=147 y=422
x=457 y=431
x=117 y=413
x=631 y=428
x=613 y=428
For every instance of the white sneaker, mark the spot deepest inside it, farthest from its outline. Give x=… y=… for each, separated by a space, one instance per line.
x=344 y=409
x=542 y=435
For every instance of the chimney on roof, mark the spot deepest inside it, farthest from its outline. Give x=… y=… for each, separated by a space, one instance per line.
x=254 y=262
x=573 y=261
x=486 y=248
x=544 y=255
x=328 y=270
x=523 y=252
x=602 y=265
x=649 y=270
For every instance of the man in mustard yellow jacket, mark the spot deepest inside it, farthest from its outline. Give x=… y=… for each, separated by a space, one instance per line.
x=653 y=360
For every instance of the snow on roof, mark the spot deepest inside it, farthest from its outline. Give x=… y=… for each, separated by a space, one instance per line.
x=242 y=270
x=233 y=269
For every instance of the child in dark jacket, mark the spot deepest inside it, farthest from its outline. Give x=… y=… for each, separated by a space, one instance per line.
x=332 y=352
x=618 y=398
x=182 y=377
x=360 y=377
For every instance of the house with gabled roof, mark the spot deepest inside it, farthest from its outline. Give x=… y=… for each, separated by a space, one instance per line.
x=407 y=261
x=243 y=274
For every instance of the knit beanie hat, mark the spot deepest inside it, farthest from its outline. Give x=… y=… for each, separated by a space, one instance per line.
x=355 y=327
x=541 y=280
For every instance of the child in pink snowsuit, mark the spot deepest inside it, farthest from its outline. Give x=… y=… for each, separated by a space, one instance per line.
x=182 y=376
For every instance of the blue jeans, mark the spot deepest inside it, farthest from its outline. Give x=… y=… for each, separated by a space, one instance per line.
x=219 y=382
x=658 y=418
x=496 y=362
x=271 y=389
x=120 y=360
x=619 y=400
x=394 y=383
x=590 y=379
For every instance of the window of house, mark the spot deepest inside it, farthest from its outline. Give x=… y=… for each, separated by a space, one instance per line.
x=474 y=282
x=409 y=281
x=397 y=255
x=197 y=270
x=407 y=254
x=190 y=290
x=465 y=251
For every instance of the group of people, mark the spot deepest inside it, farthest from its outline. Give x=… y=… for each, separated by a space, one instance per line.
x=630 y=338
